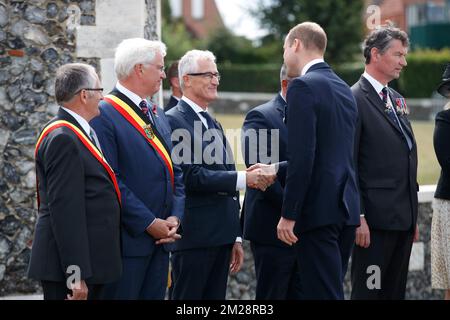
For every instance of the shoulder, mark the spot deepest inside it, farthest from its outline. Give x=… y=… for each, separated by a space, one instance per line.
x=61 y=138
x=443 y=115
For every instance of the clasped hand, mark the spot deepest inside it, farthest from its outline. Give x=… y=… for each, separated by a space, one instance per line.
x=261 y=176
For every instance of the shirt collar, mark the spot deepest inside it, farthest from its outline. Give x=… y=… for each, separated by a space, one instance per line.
x=197 y=109
x=281 y=95
x=374 y=82
x=129 y=94
x=82 y=121
x=310 y=64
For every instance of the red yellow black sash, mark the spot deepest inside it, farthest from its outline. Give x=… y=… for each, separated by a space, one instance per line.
x=143 y=128
x=87 y=143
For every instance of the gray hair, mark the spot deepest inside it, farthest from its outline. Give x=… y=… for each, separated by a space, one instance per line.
x=131 y=52
x=381 y=38
x=189 y=62
x=283 y=73
x=71 y=78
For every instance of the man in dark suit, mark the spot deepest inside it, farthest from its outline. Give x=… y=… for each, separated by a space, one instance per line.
x=135 y=136
x=386 y=163
x=210 y=246
x=76 y=247
x=321 y=198
x=174 y=81
x=264 y=138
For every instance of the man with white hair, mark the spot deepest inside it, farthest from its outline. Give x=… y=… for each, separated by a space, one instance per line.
x=135 y=137
x=211 y=244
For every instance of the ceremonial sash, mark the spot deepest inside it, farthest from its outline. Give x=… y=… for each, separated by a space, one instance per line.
x=87 y=143
x=144 y=129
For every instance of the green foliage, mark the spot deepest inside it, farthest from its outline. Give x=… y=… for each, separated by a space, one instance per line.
x=423 y=73
x=249 y=78
x=341 y=20
x=177 y=40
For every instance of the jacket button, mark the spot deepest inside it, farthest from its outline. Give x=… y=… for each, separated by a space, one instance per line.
x=234 y=198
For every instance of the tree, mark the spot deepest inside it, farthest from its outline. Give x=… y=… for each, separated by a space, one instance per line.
x=341 y=20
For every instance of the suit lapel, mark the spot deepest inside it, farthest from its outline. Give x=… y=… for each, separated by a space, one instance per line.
x=141 y=115
x=191 y=116
x=376 y=101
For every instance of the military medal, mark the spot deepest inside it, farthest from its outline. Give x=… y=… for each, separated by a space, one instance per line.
x=149 y=131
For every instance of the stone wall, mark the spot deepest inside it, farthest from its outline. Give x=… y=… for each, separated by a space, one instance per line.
x=36 y=37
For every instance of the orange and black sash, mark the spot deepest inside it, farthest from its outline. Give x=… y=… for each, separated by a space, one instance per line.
x=145 y=129
x=87 y=143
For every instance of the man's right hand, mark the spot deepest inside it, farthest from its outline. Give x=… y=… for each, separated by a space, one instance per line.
x=160 y=228
x=363 y=234
x=79 y=291
x=260 y=176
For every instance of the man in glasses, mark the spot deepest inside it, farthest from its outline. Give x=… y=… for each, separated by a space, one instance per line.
x=76 y=247
x=211 y=243
x=135 y=137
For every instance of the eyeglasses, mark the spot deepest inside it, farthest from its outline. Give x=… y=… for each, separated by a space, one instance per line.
x=89 y=89
x=209 y=75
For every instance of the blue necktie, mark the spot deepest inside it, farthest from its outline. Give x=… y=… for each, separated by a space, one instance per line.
x=209 y=120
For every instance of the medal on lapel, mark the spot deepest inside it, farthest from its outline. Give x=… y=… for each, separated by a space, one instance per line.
x=401 y=107
x=149 y=131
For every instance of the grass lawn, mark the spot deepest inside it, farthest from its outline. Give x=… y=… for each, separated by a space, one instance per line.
x=423 y=130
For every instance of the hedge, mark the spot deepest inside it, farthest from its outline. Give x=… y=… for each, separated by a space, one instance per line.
x=418 y=80
x=423 y=73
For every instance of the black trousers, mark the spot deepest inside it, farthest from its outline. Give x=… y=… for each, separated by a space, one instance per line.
x=390 y=251
x=55 y=290
x=277 y=276
x=201 y=274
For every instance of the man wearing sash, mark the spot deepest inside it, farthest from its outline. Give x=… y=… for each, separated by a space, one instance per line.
x=76 y=247
x=135 y=138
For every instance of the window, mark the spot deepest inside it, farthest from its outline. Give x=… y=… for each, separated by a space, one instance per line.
x=198 y=9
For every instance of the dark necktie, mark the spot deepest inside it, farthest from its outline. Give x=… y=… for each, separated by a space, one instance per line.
x=209 y=120
x=144 y=107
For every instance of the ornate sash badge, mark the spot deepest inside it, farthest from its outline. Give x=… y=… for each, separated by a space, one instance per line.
x=401 y=107
x=149 y=131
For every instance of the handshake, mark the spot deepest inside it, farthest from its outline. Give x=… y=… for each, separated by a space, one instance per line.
x=261 y=176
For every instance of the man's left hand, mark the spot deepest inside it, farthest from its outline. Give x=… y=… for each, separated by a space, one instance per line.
x=237 y=258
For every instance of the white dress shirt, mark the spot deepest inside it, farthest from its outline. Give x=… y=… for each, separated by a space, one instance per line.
x=310 y=64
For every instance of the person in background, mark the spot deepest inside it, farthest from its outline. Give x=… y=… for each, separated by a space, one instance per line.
x=440 y=225
x=174 y=81
x=275 y=262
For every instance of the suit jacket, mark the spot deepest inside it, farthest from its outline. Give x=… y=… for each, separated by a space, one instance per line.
x=262 y=210
x=387 y=169
x=172 y=103
x=212 y=203
x=442 y=150
x=79 y=213
x=320 y=179
x=143 y=178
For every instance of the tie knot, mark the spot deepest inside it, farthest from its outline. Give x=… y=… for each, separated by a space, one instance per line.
x=143 y=105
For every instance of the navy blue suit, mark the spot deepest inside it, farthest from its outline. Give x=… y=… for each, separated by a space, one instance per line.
x=210 y=225
x=320 y=189
x=172 y=103
x=147 y=193
x=275 y=261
